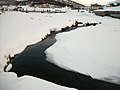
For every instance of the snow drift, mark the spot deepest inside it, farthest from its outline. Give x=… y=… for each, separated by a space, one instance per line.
x=10 y=81
x=18 y=30
x=90 y=50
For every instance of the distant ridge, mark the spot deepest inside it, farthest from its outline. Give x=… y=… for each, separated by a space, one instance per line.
x=61 y=3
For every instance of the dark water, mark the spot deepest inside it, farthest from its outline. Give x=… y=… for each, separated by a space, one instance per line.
x=32 y=62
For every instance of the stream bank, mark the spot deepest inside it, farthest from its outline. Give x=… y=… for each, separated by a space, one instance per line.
x=32 y=61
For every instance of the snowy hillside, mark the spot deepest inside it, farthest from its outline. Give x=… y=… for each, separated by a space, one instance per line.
x=17 y=30
x=90 y=50
x=60 y=3
x=113 y=6
x=117 y=8
x=113 y=3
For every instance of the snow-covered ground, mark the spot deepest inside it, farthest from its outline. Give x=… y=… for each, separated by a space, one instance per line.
x=90 y=50
x=117 y=8
x=9 y=81
x=17 y=30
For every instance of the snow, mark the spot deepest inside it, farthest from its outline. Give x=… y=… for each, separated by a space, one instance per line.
x=8 y=67
x=117 y=8
x=90 y=50
x=10 y=81
x=17 y=30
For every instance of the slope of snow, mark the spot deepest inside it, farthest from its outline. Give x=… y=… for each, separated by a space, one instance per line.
x=9 y=81
x=17 y=30
x=95 y=47
x=90 y=50
x=117 y=8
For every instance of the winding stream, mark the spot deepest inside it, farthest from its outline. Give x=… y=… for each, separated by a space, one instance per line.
x=32 y=61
